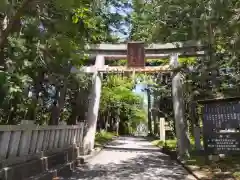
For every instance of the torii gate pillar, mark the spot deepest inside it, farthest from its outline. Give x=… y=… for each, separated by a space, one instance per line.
x=93 y=107
x=178 y=108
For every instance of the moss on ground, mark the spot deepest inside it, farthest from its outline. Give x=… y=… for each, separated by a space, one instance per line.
x=103 y=137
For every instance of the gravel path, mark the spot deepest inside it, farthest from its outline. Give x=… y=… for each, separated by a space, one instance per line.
x=129 y=158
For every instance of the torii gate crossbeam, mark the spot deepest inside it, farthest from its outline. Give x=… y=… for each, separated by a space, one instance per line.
x=119 y=51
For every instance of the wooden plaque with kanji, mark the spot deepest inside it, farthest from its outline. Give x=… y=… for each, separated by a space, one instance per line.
x=136 y=54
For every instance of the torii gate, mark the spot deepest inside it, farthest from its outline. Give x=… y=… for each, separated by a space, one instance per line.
x=136 y=54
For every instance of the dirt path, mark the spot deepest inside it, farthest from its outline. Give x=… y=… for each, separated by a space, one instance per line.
x=129 y=158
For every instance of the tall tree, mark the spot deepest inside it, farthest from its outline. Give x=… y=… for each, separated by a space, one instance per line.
x=40 y=43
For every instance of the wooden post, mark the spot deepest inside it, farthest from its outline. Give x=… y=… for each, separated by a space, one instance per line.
x=162 y=130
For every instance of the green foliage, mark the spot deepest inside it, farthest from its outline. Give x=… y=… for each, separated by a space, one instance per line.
x=149 y=62
x=46 y=40
x=188 y=61
x=213 y=23
x=102 y=137
x=171 y=144
x=118 y=101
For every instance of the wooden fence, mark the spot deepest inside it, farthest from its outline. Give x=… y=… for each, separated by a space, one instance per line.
x=23 y=141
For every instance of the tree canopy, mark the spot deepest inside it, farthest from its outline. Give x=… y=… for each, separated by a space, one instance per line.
x=40 y=42
x=213 y=23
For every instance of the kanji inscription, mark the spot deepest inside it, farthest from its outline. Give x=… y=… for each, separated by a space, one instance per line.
x=221 y=125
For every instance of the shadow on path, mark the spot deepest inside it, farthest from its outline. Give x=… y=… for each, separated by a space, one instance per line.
x=141 y=166
x=131 y=149
x=115 y=143
x=131 y=158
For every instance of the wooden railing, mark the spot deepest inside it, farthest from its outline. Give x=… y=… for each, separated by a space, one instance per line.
x=22 y=141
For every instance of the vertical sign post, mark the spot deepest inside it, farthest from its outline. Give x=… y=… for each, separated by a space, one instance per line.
x=136 y=54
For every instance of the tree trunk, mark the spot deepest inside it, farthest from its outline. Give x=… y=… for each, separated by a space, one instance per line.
x=100 y=120
x=58 y=105
x=107 y=121
x=78 y=107
x=12 y=112
x=2 y=60
x=111 y=127
x=60 y=95
x=149 y=113
x=155 y=130
x=54 y=114
x=31 y=111
x=117 y=125
x=73 y=117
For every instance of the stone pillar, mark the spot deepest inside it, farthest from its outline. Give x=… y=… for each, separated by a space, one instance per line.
x=162 y=130
x=93 y=108
x=183 y=142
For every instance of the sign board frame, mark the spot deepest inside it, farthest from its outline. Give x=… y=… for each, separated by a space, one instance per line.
x=216 y=138
x=136 y=54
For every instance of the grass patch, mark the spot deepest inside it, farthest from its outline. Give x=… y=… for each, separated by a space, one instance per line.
x=103 y=137
x=170 y=144
x=225 y=168
x=228 y=167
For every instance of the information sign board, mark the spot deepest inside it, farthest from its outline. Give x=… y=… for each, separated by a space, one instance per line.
x=222 y=143
x=221 y=125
